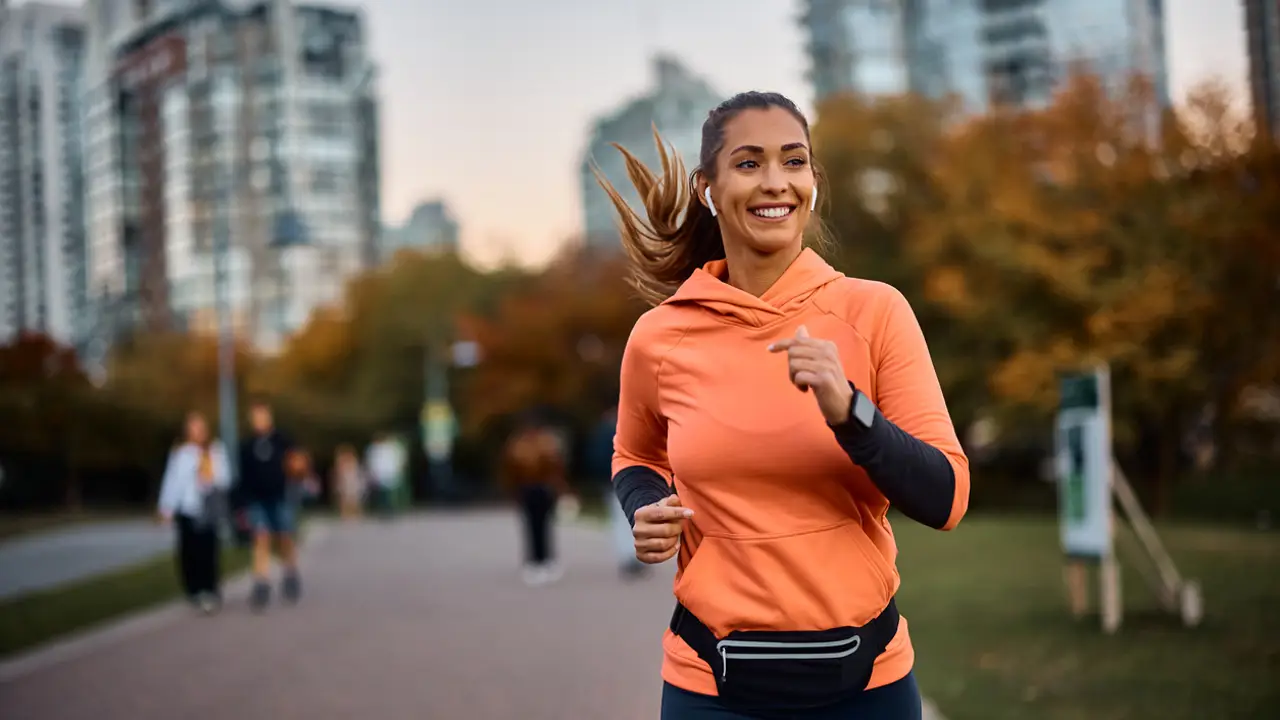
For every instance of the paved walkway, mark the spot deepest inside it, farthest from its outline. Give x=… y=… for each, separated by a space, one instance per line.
x=55 y=557
x=424 y=618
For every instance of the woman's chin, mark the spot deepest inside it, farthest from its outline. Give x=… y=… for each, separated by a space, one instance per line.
x=773 y=243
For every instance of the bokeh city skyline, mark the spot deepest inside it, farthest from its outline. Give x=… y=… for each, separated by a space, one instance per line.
x=500 y=140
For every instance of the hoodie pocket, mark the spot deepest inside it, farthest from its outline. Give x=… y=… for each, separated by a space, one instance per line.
x=787 y=623
x=826 y=578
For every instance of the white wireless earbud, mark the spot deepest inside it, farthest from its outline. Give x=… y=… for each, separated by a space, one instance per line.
x=813 y=199
x=710 y=205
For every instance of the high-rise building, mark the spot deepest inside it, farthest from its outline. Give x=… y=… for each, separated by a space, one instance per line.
x=1032 y=45
x=430 y=228
x=238 y=121
x=986 y=52
x=858 y=46
x=677 y=105
x=1262 y=26
x=947 y=51
x=42 y=238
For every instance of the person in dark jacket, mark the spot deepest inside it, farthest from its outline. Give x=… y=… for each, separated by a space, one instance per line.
x=533 y=470
x=598 y=466
x=267 y=468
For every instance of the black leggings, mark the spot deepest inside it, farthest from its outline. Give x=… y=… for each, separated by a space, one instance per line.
x=538 y=503
x=898 y=700
x=197 y=559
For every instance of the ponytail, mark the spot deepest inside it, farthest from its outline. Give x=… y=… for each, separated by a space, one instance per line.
x=679 y=234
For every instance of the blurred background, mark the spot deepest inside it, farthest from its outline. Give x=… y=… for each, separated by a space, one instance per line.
x=381 y=217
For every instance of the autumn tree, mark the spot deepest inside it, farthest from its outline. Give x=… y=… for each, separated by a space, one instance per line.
x=42 y=393
x=556 y=341
x=1076 y=235
x=57 y=429
x=359 y=367
x=878 y=157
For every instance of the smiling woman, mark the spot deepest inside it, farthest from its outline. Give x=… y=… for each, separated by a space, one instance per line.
x=771 y=410
x=774 y=171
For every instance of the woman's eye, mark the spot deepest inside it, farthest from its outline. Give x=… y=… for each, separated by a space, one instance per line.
x=796 y=162
x=747 y=164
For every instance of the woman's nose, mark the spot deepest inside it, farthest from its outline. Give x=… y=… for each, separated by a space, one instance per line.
x=773 y=179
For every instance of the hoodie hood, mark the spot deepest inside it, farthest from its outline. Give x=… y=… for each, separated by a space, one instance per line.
x=707 y=287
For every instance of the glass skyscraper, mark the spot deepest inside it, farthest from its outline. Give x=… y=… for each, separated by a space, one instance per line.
x=1008 y=52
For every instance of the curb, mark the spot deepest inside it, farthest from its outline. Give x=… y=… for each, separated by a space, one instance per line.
x=81 y=643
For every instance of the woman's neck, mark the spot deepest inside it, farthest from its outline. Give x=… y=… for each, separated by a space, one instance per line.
x=753 y=272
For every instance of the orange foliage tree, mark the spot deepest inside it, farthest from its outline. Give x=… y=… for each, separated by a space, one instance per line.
x=1081 y=234
x=358 y=369
x=556 y=341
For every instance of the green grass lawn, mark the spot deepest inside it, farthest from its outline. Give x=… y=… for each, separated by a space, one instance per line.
x=13 y=525
x=35 y=618
x=987 y=609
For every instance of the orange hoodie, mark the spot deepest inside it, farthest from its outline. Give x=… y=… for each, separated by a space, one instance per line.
x=787 y=533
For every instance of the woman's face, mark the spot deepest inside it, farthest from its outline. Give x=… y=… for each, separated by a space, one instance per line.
x=763 y=181
x=197 y=430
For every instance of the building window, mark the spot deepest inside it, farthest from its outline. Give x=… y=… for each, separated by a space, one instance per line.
x=326 y=120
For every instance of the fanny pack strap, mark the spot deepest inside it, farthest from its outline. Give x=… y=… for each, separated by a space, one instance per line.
x=699 y=637
x=880 y=629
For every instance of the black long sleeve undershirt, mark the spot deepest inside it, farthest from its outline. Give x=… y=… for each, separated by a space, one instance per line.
x=913 y=475
x=637 y=486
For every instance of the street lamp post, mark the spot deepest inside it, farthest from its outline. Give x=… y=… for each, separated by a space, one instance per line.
x=439 y=421
x=226 y=334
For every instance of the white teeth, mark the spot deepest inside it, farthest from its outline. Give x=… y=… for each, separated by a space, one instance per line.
x=773 y=212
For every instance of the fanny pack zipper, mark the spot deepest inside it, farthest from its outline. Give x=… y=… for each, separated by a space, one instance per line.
x=724 y=645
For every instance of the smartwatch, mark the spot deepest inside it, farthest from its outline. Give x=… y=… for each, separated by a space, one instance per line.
x=862 y=411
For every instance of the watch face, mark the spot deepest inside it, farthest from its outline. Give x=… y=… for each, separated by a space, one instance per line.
x=864 y=411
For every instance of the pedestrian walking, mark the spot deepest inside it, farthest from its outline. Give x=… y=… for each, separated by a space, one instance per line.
x=533 y=470
x=272 y=473
x=350 y=483
x=192 y=498
x=599 y=461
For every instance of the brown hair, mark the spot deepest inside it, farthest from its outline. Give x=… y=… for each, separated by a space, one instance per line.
x=186 y=429
x=680 y=234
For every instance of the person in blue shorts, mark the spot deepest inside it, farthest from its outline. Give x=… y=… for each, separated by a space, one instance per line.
x=264 y=483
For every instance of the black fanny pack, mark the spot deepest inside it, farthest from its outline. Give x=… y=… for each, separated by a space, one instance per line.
x=760 y=671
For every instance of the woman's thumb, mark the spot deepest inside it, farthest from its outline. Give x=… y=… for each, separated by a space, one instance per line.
x=671 y=500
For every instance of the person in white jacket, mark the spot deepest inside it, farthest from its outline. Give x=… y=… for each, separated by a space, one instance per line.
x=195 y=480
x=385 y=460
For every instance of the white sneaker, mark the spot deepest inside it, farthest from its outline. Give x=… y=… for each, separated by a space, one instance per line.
x=552 y=572
x=532 y=575
x=208 y=603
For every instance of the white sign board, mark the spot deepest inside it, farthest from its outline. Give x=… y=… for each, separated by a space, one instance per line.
x=1082 y=461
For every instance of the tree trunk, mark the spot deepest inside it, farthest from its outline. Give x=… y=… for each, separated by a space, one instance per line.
x=72 y=496
x=1167 y=466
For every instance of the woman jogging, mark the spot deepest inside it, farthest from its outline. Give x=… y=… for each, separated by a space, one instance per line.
x=771 y=411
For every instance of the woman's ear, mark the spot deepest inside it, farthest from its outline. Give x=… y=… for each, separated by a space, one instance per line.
x=704 y=194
